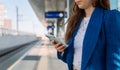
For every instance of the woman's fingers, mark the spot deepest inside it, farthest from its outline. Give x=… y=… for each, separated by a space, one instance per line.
x=59 y=47
x=53 y=42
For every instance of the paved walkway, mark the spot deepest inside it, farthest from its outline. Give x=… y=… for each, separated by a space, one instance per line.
x=40 y=57
x=49 y=60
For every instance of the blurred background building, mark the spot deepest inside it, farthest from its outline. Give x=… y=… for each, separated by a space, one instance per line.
x=115 y=4
x=4 y=21
x=52 y=14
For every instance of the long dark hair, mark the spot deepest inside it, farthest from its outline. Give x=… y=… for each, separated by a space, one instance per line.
x=78 y=14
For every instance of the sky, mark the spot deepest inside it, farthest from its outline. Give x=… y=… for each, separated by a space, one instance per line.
x=28 y=21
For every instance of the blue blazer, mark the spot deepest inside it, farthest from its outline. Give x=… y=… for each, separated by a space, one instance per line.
x=101 y=44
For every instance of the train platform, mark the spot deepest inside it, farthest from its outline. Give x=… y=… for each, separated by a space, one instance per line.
x=40 y=57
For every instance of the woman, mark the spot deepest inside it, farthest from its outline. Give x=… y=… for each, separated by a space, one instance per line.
x=93 y=37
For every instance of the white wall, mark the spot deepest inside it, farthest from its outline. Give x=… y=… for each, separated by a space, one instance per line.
x=11 y=42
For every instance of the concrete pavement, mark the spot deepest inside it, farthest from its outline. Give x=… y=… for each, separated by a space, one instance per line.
x=41 y=57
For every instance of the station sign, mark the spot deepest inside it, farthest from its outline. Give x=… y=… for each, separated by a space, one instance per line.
x=55 y=14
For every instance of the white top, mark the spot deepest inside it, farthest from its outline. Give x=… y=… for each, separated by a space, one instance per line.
x=78 y=42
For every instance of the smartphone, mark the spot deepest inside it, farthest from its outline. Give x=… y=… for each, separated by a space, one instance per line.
x=52 y=37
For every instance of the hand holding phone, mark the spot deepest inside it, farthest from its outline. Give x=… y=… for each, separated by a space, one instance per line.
x=52 y=37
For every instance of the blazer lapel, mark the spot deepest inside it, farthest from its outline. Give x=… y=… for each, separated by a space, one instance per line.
x=91 y=35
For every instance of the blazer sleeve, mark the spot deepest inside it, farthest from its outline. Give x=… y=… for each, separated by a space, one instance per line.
x=112 y=26
x=68 y=52
x=62 y=56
